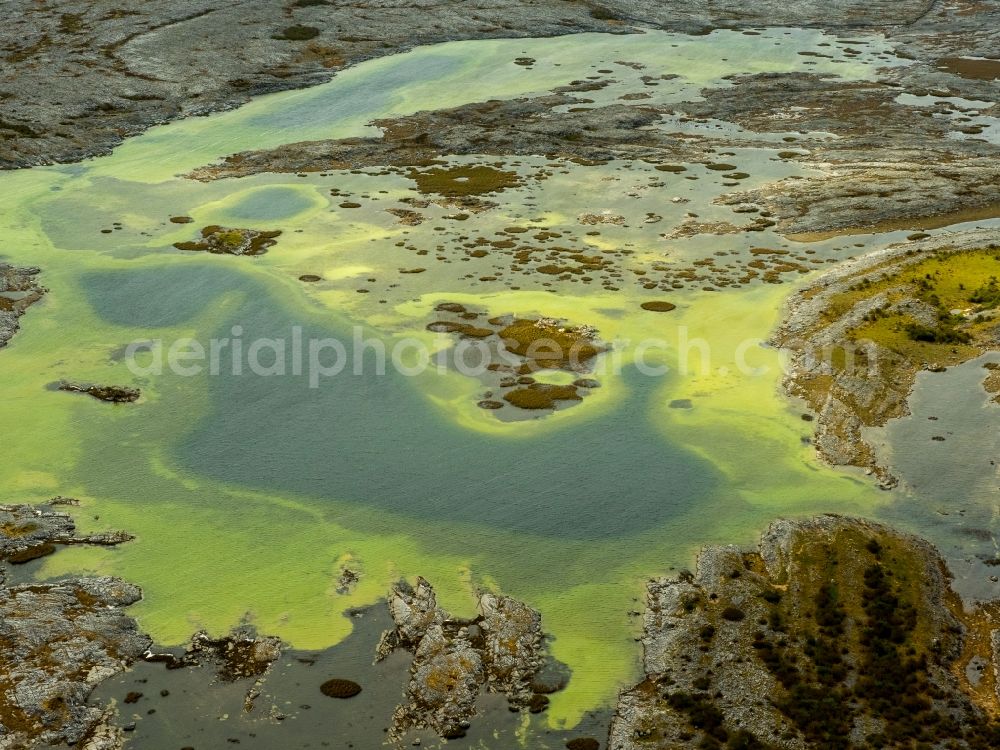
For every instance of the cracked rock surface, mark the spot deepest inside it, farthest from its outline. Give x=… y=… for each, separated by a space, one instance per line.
x=59 y=639
x=455 y=660
x=78 y=77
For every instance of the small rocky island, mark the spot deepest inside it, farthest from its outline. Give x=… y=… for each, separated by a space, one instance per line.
x=456 y=660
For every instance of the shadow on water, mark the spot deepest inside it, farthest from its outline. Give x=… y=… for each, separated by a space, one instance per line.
x=378 y=441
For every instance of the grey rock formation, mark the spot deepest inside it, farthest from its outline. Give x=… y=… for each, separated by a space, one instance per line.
x=115 y=394
x=455 y=661
x=78 y=77
x=774 y=646
x=27 y=530
x=60 y=639
x=19 y=290
x=877 y=386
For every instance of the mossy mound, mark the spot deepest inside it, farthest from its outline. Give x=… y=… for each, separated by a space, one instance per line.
x=658 y=306
x=338 y=688
x=464 y=180
x=220 y=240
x=549 y=346
x=541 y=396
x=537 y=703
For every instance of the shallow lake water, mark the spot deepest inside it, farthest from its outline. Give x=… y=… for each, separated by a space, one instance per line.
x=249 y=494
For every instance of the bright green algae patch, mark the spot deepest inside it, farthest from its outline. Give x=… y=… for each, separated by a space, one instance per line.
x=248 y=495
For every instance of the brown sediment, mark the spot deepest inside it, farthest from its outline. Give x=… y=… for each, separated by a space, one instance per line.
x=968 y=67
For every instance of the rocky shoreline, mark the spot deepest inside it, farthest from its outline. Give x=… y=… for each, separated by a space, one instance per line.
x=80 y=79
x=849 y=370
x=736 y=654
x=899 y=151
x=834 y=632
x=456 y=660
x=19 y=290
x=60 y=639
x=63 y=638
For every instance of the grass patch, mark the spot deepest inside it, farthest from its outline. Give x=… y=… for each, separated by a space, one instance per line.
x=463 y=180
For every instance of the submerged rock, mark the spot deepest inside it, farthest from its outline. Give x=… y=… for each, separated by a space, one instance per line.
x=115 y=394
x=455 y=660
